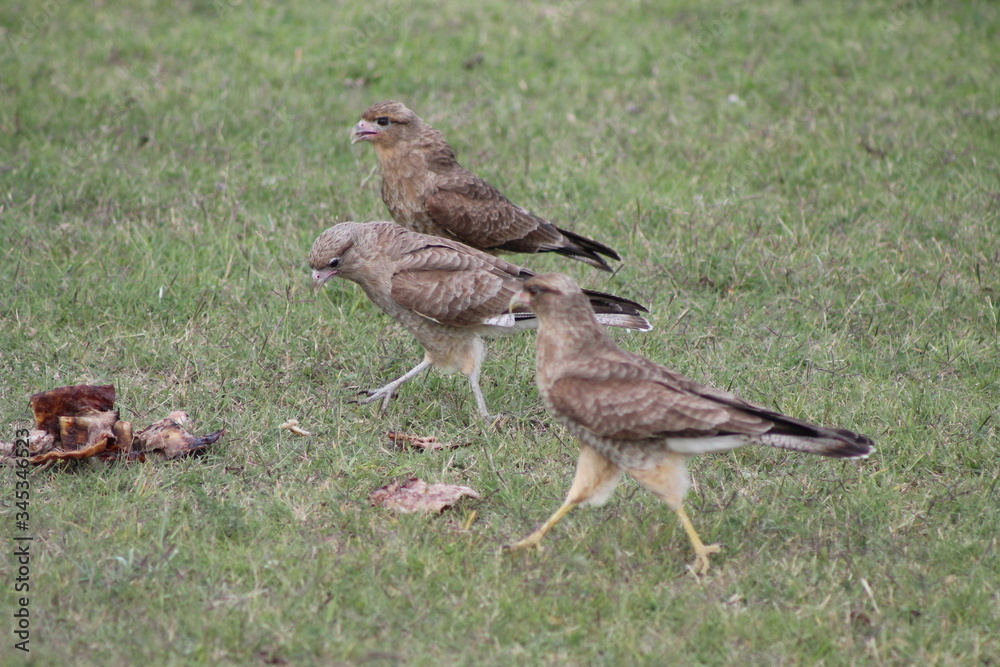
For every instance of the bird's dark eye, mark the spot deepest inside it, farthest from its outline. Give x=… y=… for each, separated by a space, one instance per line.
x=382 y=120
x=334 y=263
x=532 y=289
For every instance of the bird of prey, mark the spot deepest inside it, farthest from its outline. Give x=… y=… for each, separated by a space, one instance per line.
x=445 y=293
x=427 y=191
x=637 y=417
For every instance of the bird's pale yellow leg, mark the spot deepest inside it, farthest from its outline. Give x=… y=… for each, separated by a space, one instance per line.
x=701 y=551
x=596 y=477
x=668 y=480
x=532 y=540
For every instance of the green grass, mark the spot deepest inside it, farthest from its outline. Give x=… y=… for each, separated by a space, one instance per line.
x=807 y=197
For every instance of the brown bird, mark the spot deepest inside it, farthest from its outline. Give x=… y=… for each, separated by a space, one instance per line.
x=446 y=293
x=427 y=191
x=634 y=416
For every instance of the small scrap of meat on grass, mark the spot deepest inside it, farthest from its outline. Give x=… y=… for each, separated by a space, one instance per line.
x=292 y=426
x=80 y=422
x=415 y=495
x=424 y=442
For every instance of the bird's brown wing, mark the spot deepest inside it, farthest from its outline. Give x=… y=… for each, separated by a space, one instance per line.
x=453 y=286
x=477 y=213
x=746 y=417
x=632 y=401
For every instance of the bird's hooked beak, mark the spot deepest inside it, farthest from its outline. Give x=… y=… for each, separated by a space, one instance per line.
x=521 y=300
x=363 y=131
x=321 y=276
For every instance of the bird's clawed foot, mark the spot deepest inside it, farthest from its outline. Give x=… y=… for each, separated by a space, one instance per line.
x=530 y=542
x=701 y=553
x=384 y=394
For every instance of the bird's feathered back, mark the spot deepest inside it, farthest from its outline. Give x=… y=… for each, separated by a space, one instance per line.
x=592 y=384
x=426 y=190
x=441 y=280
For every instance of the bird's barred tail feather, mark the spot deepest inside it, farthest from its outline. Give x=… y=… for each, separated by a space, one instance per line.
x=634 y=322
x=833 y=442
x=616 y=311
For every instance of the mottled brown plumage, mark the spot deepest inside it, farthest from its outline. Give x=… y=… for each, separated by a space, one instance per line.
x=633 y=416
x=427 y=191
x=445 y=293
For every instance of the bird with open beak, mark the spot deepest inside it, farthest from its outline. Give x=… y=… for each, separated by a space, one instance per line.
x=428 y=191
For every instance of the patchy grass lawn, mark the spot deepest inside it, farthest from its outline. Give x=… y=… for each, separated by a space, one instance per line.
x=806 y=195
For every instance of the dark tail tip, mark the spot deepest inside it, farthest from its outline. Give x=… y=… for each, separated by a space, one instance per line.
x=587 y=250
x=851 y=445
x=602 y=302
